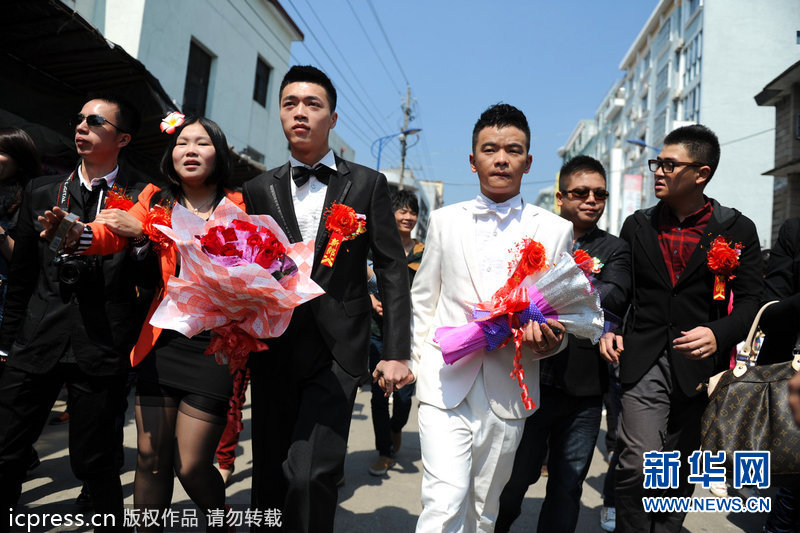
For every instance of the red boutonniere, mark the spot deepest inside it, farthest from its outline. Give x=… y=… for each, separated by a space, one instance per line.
x=587 y=263
x=159 y=214
x=723 y=260
x=344 y=224
x=117 y=199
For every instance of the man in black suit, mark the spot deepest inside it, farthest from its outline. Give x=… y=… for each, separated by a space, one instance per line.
x=677 y=334
x=305 y=385
x=71 y=322
x=573 y=382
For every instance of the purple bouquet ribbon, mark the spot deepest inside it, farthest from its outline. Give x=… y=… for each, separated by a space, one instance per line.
x=458 y=342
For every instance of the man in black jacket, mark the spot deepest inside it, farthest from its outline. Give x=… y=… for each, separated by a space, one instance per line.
x=305 y=385
x=678 y=332
x=572 y=382
x=70 y=319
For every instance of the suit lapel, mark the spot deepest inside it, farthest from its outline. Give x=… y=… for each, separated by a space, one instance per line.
x=338 y=186
x=647 y=239
x=279 y=198
x=468 y=238
x=76 y=196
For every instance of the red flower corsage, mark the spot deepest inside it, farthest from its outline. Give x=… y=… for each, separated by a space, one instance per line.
x=117 y=199
x=344 y=224
x=158 y=214
x=723 y=260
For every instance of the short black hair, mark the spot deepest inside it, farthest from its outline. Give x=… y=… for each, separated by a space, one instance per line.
x=499 y=116
x=701 y=143
x=577 y=164
x=19 y=146
x=129 y=119
x=405 y=199
x=222 y=159
x=309 y=74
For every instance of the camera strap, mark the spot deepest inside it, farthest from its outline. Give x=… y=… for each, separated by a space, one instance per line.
x=63 y=192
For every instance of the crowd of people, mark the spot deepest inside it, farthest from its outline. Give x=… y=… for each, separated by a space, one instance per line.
x=79 y=283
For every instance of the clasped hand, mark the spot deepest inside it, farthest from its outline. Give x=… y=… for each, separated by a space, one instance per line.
x=392 y=375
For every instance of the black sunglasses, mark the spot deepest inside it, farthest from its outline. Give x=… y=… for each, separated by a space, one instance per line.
x=582 y=193
x=93 y=120
x=668 y=165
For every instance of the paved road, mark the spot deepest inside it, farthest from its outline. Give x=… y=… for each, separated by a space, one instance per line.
x=367 y=504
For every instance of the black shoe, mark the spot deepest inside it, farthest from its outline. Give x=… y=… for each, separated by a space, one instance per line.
x=84 y=499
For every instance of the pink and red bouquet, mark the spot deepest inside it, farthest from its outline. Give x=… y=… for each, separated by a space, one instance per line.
x=562 y=293
x=344 y=224
x=236 y=270
x=723 y=260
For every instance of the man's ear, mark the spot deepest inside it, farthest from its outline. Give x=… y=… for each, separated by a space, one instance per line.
x=472 y=163
x=559 y=198
x=123 y=140
x=334 y=118
x=528 y=164
x=703 y=175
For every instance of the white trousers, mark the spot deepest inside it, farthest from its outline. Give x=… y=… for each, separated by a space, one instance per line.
x=467 y=457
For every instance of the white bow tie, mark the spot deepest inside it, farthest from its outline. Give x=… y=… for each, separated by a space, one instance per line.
x=501 y=211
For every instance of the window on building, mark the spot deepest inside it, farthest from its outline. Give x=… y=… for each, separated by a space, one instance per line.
x=198 y=74
x=691 y=105
x=692 y=6
x=663 y=36
x=692 y=57
x=662 y=80
x=262 y=82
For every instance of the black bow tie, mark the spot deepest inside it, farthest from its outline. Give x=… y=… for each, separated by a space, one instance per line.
x=301 y=175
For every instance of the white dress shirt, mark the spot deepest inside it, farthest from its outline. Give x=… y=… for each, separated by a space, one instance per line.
x=309 y=199
x=497 y=231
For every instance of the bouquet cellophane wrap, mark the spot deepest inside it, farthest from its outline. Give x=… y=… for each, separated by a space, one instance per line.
x=562 y=292
x=208 y=296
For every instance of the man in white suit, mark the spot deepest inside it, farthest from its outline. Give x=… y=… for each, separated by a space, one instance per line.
x=471 y=415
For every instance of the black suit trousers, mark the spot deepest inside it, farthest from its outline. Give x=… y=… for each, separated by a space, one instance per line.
x=93 y=402
x=302 y=403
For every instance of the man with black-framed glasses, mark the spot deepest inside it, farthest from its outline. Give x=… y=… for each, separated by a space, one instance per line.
x=572 y=383
x=69 y=320
x=682 y=324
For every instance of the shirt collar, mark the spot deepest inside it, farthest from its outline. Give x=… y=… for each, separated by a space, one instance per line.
x=109 y=178
x=692 y=219
x=328 y=160
x=514 y=202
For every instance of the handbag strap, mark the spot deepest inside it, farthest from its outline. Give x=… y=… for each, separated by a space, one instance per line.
x=746 y=355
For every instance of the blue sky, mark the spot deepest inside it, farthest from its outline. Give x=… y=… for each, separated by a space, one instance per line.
x=555 y=60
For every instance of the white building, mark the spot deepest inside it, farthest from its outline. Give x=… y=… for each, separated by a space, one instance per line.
x=223 y=60
x=699 y=61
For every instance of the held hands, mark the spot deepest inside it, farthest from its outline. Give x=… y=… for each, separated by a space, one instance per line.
x=376 y=305
x=392 y=375
x=543 y=338
x=50 y=221
x=611 y=347
x=697 y=343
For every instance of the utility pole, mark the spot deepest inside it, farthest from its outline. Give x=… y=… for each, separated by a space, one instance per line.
x=403 y=141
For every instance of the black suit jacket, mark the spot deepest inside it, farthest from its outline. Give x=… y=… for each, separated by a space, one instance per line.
x=781 y=321
x=342 y=313
x=660 y=311
x=579 y=370
x=42 y=319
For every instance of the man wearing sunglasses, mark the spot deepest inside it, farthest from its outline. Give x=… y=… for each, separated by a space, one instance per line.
x=70 y=320
x=572 y=383
x=677 y=334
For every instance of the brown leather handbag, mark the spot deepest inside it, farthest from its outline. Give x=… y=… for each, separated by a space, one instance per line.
x=748 y=409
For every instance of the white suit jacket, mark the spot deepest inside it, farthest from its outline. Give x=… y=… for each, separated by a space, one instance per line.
x=445 y=289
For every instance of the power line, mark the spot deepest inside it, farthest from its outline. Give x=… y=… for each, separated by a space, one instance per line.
x=372 y=45
x=388 y=42
x=344 y=58
x=333 y=63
